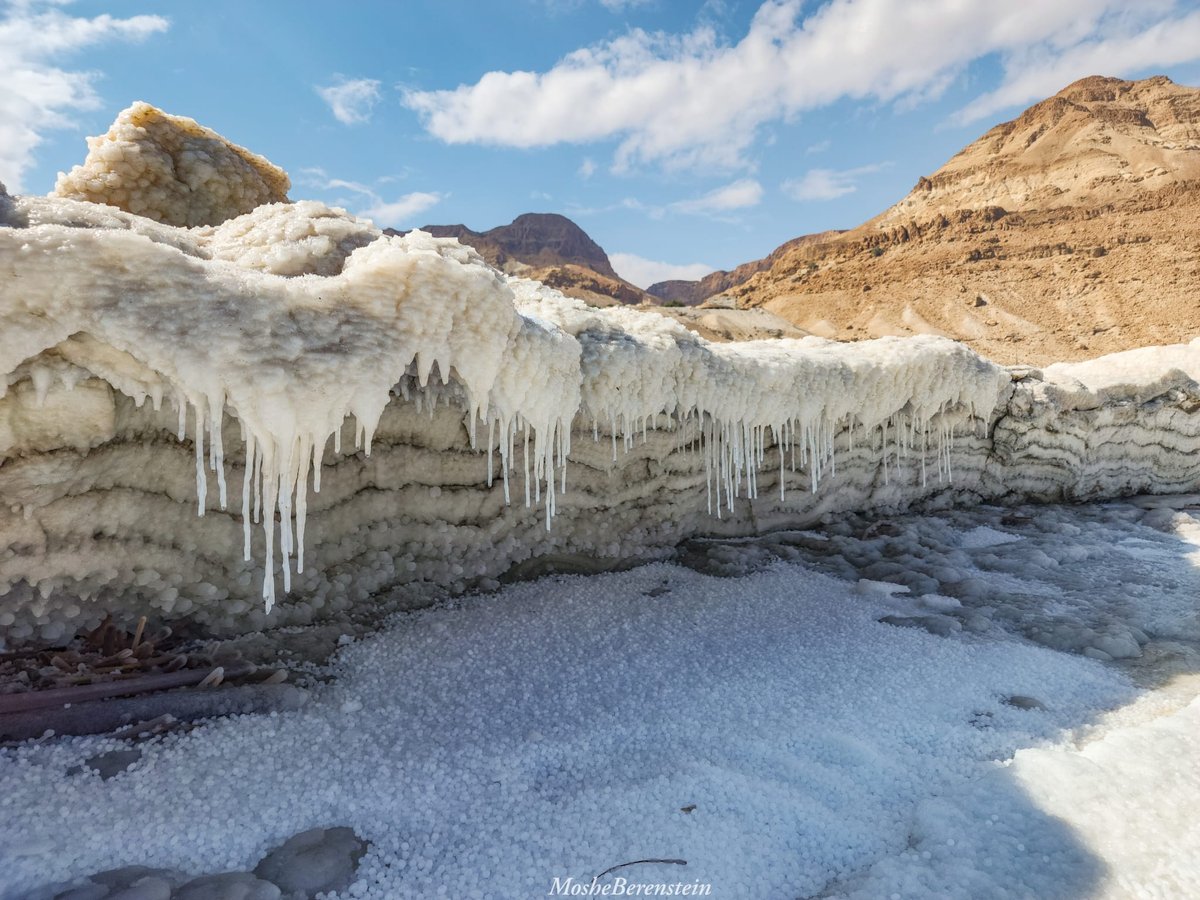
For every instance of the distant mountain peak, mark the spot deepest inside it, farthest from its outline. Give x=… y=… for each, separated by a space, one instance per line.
x=533 y=239
x=551 y=239
x=1089 y=144
x=551 y=248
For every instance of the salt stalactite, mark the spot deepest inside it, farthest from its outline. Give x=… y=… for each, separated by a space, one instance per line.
x=293 y=341
x=734 y=452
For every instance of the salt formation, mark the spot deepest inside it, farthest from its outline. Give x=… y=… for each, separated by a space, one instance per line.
x=292 y=357
x=172 y=170
x=1121 y=424
x=512 y=427
x=485 y=747
x=304 y=238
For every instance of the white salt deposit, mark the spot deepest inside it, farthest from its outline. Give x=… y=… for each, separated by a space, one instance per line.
x=1117 y=372
x=983 y=536
x=294 y=317
x=767 y=730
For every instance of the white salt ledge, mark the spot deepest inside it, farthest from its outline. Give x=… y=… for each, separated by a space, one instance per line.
x=216 y=320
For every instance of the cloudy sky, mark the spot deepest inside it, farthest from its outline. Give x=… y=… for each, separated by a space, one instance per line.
x=683 y=136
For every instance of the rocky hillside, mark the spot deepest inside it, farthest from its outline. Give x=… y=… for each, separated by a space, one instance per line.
x=692 y=293
x=552 y=249
x=1070 y=231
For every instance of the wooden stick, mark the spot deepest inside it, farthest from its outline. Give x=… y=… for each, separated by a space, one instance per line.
x=137 y=635
x=141 y=684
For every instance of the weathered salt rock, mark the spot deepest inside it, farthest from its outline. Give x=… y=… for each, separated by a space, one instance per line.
x=7 y=207
x=173 y=170
x=88 y=891
x=321 y=860
x=109 y=764
x=42 y=419
x=126 y=883
x=127 y=876
x=304 y=238
x=227 y=886
x=148 y=888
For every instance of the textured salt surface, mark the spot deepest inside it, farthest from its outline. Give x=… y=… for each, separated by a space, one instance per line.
x=234 y=328
x=982 y=536
x=240 y=365
x=557 y=728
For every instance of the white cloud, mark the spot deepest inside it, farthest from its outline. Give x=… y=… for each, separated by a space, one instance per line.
x=717 y=203
x=827 y=184
x=365 y=200
x=630 y=204
x=587 y=168
x=697 y=99
x=622 y=5
x=645 y=272
x=351 y=100
x=36 y=95
x=399 y=212
x=738 y=195
x=1040 y=73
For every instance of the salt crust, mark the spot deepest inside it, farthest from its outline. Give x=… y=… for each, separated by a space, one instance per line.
x=295 y=317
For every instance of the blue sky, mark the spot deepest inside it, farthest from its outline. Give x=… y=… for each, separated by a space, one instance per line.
x=683 y=136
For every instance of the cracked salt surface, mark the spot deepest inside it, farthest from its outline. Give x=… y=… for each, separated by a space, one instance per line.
x=561 y=727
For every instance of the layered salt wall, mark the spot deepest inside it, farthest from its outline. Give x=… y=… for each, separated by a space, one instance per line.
x=272 y=419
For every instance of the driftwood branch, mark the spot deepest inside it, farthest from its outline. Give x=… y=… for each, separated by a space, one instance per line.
x=27 y=701
x=144 y=711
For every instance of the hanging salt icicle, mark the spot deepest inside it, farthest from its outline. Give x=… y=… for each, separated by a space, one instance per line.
x=303 y=459
x=525 y=464
x=564 y=450
x=247 y=484
x=491 y=442
x=201 y=480
x=924 y=452
x=216 y=450
x=181 y=408
x=507 y=455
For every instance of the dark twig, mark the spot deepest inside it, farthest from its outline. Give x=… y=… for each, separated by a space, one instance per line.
x=138 y=684
x=638 y=862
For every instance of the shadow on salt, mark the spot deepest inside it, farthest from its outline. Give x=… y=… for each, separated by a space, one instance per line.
x=1081 y=811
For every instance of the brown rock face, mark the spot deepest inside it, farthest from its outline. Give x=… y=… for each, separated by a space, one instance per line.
x=552 y=249
x=1098 y=141
x=693 y=293
x=1071 y=231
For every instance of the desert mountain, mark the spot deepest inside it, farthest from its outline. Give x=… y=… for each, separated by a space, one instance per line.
x=692 y=293
x=552 y=249
x=1071 y=231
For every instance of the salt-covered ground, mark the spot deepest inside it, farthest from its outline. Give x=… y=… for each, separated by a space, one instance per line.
x=767 y=728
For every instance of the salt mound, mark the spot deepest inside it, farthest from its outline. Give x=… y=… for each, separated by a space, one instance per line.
x=318 y=861
x=173 y=170
x=305 y=238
